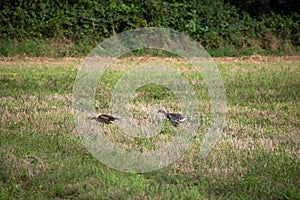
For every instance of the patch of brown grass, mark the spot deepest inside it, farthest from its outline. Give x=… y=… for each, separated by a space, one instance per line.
x=256 y=59
x=40 y=62
x=42 y=114
x=20 y=169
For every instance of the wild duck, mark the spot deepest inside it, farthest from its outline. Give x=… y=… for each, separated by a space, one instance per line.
x=174 y=117
x=106 y=119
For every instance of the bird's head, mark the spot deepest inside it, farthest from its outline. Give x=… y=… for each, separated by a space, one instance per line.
x=163 y=110
x=92 y=118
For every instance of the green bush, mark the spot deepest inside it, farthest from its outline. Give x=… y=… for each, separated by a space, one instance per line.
x=74 y=27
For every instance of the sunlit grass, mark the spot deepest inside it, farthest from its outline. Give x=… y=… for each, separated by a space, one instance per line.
x=257 y=158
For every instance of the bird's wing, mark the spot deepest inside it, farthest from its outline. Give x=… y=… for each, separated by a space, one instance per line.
x=176 y=117
x=108 y=117
x=103 y=116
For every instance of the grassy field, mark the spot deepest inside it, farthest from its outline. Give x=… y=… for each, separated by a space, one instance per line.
x=258 y=156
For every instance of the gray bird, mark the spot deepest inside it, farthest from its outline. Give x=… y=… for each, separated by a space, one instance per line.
x=106 y=119
x=174 y=117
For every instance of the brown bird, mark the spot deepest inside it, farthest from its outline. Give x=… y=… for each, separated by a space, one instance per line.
x=106 y=119
x=174 y=117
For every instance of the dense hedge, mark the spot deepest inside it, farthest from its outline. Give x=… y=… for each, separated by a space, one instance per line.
x=74 y=27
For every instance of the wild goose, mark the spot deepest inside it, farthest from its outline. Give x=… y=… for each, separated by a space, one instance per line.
x=106 y=119
x=174 y=117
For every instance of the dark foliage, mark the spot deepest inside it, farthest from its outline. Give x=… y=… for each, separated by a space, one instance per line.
x=74 y=27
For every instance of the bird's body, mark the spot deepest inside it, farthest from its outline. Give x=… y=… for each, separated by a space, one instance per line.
x=174 y=117
x=106 y=119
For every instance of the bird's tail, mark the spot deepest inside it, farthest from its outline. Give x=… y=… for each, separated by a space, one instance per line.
x=183 y=119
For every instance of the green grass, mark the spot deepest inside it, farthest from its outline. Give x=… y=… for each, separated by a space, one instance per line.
x=257 y=158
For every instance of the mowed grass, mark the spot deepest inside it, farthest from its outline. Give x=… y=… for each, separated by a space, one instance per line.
x=258 y=157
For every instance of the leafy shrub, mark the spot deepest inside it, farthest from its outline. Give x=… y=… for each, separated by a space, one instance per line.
x=228 y=28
